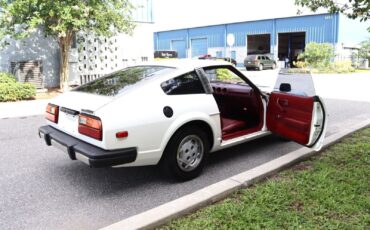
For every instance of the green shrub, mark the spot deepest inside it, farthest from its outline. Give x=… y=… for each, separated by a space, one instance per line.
x=7 y=78
x=317 y=55
x=300 y=64
x=11 y=90
x=342 y=67
x=27 y=91
x=225 y=75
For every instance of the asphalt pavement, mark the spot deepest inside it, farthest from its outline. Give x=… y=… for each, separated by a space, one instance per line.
x=42 y=189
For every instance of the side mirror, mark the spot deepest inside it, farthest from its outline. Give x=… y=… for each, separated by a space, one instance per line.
x=285 y=87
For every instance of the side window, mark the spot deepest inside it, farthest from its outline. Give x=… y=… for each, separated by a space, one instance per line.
x=267 y=58
x=185 y=84
x=259 y=58
x=222 y=75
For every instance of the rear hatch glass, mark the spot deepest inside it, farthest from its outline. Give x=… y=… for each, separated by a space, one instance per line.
x=251 y=57
x=117 y=82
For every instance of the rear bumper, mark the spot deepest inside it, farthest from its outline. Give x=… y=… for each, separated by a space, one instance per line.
x=250 y=65
x=87 y=153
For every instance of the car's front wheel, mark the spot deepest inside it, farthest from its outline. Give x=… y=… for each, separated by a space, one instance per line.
x=260 y=67
x=186 y=154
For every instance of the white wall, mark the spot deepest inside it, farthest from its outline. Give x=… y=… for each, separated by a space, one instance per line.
x=99 y=56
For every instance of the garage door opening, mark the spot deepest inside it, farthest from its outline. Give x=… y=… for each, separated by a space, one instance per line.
x=258 y=44
x=291 y=45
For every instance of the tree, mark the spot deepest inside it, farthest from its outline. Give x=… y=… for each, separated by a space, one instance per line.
x=62 y=19
x=351 y=8
x=364 y=51
x=317 y=54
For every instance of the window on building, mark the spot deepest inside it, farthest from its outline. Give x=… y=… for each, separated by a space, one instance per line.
x=74 y=41
x=185 y=84
x=143 y=59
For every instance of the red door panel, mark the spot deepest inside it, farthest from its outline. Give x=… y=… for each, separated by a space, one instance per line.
x=290 y=116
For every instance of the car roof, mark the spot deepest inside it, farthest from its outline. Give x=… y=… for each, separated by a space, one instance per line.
x=186 y=63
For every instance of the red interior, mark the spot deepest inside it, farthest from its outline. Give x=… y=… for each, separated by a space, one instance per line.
x=290 y=116
x=240 y=109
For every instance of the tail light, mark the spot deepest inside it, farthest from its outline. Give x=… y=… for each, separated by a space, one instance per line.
x=52 y=113
x=90 y=126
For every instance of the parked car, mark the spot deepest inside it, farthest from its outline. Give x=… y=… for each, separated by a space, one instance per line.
x=174 y=113
x=259 y=62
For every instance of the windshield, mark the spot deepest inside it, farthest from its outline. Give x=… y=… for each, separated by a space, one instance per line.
x=116 y=83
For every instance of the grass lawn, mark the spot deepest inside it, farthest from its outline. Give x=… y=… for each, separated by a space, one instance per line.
x=325 y=71
x=329 y=191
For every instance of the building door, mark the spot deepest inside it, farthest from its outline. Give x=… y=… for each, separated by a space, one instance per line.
x=258 y=44
x=290 y=45
x=199 y=47
x=233 y=54
x=180 y=47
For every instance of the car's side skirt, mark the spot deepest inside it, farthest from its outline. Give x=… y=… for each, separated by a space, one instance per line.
x=242 y=139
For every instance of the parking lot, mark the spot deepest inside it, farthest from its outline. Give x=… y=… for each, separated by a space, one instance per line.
x=42 y=189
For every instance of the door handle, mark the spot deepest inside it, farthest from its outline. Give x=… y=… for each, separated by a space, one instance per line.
x=281 y=102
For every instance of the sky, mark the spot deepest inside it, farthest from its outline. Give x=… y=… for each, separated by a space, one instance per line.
x=176 y=14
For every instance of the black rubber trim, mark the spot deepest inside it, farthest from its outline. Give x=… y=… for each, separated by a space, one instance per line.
x=69 y=111
x=317 y=99
x=97 y=157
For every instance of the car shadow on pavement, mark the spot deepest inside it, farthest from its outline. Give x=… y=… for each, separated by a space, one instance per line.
x=107 y=181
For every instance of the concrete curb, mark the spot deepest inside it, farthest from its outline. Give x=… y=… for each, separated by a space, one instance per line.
x=215 y=192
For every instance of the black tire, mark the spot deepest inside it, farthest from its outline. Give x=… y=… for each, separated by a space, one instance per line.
x=260 y=67
x=170 y=164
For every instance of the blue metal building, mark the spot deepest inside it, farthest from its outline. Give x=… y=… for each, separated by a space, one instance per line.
x=280 y=37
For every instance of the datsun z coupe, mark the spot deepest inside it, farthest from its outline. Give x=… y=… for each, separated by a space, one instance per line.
x=174 y=114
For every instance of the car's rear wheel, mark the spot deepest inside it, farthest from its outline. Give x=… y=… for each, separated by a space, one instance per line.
x=186 y=154
x=273 y=66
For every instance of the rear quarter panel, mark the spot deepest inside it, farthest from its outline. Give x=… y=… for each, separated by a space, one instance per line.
x=140 y=112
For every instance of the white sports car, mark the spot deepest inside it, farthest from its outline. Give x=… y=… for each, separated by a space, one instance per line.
x=174 y=114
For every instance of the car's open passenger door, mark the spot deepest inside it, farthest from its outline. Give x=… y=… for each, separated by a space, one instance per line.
x=297 y=117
